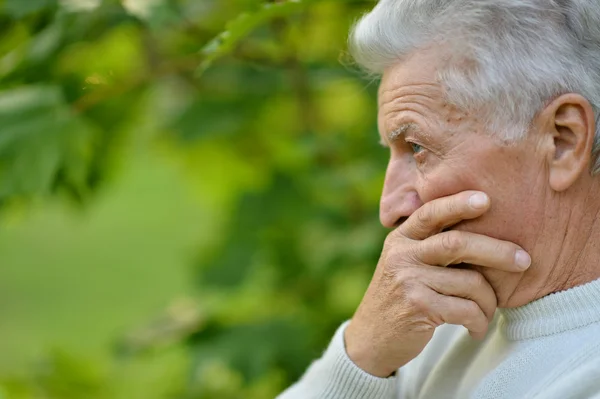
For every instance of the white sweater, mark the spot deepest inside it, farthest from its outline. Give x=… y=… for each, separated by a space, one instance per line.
x=547 y=349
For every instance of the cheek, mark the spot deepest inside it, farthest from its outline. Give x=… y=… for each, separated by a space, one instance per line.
x=445 y=181
x=450 y=183
x=509 y=210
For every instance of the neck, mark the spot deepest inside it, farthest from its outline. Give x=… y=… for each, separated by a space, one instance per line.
x=553 y=314
x=563 y=261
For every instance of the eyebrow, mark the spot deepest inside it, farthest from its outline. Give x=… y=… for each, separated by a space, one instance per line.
x=400 y=131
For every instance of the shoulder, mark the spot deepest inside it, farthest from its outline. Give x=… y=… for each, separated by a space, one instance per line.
x=582 y=381
x=579 y=374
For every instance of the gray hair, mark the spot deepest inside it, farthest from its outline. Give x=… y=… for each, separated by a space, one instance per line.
x=505 y=59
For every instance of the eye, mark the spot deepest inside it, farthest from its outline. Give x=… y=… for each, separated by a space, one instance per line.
x=416 y=148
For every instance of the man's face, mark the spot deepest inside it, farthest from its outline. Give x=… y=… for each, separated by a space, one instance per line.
x=437 y=150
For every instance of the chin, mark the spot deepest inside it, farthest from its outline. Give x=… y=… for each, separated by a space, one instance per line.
x=505 y=286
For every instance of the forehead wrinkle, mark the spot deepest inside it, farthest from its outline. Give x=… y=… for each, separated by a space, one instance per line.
x=419 y=102
x=404 y=107
x=407 y=102
x=406 y=86
x=420 y=89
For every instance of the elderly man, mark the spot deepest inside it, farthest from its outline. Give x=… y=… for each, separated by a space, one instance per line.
x=489 y=110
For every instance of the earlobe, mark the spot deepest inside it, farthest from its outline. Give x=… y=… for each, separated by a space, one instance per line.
x=572 y=125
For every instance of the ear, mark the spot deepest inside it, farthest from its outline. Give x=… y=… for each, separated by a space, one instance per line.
x=571 y=123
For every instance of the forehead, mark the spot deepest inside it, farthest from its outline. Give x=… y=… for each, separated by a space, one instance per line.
x=410 y=92
x=419 y=70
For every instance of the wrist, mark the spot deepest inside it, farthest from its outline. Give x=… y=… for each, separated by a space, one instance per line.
x=365 y=356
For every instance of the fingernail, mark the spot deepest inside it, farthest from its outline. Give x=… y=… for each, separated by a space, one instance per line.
x=522 y=259
x=478 y=200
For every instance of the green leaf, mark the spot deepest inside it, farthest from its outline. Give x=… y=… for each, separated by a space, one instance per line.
x=239 y=28
x=45 y=43
x=24 y=111
x=40 y=135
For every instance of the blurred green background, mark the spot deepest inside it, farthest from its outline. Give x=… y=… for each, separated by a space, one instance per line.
x=188 y=194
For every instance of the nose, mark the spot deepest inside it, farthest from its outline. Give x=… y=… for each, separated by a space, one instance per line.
x=399 y=198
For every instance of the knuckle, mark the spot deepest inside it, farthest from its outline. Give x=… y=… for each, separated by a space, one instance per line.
x=406 y=276
x=477 y=280
x=394 y=239
x=426 y=215
x=472 y=309
x=473 y=314
x=452 y=207
x=418 y=301
x=453 y=242
x=391 y=259
x=389 y=262
x=399 y=254
x=411 y=256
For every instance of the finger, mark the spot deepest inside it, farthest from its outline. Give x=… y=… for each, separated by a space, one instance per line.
x=468 y=284
x=438 y=214
x=461 y=312
x=454 y=247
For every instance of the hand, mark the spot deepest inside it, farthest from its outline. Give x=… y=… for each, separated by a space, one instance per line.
x=412 y=292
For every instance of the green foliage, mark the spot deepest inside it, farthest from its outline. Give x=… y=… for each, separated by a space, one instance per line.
x=276 y=137
x=240 y=27
x=43 y=143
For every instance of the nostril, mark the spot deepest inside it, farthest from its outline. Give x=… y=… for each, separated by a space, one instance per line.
x=400 y=221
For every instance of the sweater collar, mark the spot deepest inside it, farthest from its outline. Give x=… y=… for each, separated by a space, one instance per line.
x=555 y=313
